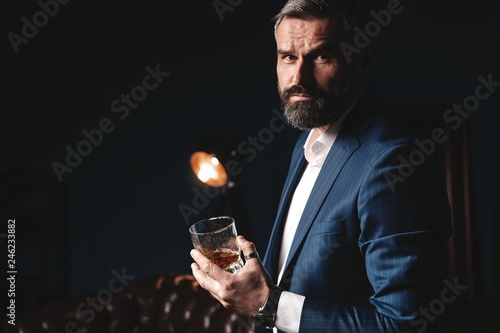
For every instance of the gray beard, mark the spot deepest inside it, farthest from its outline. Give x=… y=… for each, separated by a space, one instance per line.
x=306 y=115
x=323 y=110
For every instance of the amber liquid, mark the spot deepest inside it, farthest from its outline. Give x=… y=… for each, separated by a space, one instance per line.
x=224 y=258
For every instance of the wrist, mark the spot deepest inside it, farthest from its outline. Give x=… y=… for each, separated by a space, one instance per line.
x=266 y=316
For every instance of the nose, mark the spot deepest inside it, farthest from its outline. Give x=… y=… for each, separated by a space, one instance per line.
x=302 y=73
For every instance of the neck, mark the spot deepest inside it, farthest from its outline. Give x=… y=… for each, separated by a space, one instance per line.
x=322 y=129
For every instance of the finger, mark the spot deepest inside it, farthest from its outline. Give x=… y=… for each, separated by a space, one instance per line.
x=248 y=248
x=209 y=268
x=203 y=279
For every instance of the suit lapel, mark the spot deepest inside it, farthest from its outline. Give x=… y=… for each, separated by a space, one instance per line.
x=298 y=163
x=341 y=150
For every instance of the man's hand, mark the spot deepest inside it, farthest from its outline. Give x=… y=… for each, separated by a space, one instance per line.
x=244 y=291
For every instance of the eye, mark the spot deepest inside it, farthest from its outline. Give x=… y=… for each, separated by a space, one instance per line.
x=323 y=57
x=288 y=58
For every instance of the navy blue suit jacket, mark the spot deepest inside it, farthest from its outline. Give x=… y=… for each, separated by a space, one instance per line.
x=368 y=251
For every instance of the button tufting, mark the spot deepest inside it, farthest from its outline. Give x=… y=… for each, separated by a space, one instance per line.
x=185 y=306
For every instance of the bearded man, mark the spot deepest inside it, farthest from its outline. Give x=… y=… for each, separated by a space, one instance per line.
x=351 y=250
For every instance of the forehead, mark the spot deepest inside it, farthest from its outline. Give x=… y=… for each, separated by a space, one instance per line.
x=295 y=32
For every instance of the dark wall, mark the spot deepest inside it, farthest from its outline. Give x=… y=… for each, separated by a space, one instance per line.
x=124 y=197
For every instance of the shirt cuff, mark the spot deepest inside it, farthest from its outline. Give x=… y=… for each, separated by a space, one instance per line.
x=289 y=311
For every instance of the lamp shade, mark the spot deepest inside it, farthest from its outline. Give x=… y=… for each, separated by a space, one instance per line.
x=208 y=169
x=214 y=151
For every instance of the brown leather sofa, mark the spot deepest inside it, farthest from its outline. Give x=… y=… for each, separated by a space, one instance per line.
x=167 y=304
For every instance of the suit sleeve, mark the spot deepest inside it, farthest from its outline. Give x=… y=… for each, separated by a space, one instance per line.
x=404 y=221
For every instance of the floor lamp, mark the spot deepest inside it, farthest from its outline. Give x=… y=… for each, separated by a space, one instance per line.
x=209 y=164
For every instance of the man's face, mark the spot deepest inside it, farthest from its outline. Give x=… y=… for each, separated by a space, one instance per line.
x=314 y=80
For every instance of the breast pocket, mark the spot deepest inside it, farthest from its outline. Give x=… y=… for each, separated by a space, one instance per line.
x=323 y=251
x=336 y=226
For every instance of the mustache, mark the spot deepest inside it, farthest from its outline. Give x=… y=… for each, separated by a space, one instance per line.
x=300 y=89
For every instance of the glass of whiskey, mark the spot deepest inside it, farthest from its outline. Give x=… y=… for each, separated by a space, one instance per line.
x=215 y=238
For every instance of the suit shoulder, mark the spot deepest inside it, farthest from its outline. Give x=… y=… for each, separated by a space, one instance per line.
x=383 y=127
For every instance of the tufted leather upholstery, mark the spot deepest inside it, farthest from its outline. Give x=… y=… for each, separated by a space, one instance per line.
x=173 y=303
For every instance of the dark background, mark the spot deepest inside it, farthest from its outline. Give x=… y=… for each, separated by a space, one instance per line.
x=122 y=201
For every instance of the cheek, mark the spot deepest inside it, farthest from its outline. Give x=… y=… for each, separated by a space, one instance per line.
x=281 y=73
x=331 y=79
x=327 y=81
x=283 y=79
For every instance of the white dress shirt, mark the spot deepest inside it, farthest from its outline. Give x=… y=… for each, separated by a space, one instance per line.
x=316 y=148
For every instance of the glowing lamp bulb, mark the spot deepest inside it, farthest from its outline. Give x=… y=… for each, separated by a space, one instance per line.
x=208 y=169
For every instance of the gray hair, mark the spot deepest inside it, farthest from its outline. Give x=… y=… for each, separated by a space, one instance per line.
x=345 y=12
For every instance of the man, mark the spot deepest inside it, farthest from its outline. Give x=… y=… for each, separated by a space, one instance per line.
x=351 y=250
